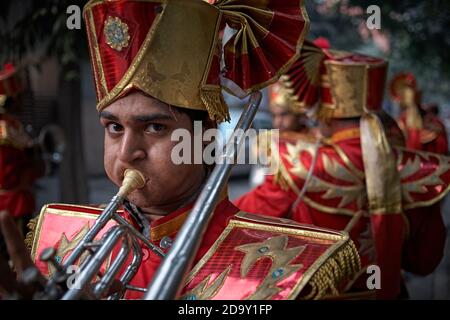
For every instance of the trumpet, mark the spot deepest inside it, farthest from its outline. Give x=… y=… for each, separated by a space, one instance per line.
x=170 y=276
x=96 y=252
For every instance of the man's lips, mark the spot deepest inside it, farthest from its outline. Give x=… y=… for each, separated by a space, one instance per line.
x=122 y=173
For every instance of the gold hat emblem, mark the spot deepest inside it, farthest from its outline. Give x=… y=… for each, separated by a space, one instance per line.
x=116 y=33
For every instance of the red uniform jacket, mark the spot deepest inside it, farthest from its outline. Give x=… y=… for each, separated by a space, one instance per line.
x=241 y=256
x=17 y=173
x=336 y=198
x=432 y=137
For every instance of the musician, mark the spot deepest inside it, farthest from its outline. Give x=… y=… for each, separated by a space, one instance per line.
x=386 y=197
x=423 y=130
x=290 y=121
x=18 y=168
x=156 y=69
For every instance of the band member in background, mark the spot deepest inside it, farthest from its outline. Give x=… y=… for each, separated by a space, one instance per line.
x=423 y=130
x=19 y=169
x=387 y=198
x=291 y=122
x=290 y=118
x=285 y=117
x=156 y=70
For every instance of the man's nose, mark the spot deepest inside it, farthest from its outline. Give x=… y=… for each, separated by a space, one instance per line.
x=132 y=147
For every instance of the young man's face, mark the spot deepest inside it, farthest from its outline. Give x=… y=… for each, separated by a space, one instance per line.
x=284 y=120
x=138 y=135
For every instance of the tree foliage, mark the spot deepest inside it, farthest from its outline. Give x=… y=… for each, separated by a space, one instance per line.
x=39 y=28
x=413 y=36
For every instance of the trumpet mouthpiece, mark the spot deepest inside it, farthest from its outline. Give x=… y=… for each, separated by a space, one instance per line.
x=133 y=179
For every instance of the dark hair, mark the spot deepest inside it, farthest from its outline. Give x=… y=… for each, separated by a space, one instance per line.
x=195 y=115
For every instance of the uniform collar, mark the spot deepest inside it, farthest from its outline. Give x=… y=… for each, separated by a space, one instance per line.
x=171 y=223
x=346 y=134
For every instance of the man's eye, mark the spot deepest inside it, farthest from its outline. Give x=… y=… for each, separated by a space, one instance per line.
x=114 y=128
x=155 y=128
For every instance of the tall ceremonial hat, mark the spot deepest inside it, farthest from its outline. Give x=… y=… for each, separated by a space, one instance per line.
x=282 y=96
x=172 y=49
x=402 y=82
x=342 y=84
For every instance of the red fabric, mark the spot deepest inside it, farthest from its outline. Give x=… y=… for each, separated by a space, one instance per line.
x=387 y=231
x=306 y=76
x=151 y=260
x=10 y=83
x=440 y=144
x=375 y=88
x=17 y=176
x=322 y=43
x=424 y=248
x=400 y=81
x=268 y=199
x=413 y=139
x=414 y=136
x=55 y=225
x=273 y=49
x=139 y=17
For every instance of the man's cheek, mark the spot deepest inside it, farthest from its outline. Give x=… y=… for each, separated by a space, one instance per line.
x=109 y=162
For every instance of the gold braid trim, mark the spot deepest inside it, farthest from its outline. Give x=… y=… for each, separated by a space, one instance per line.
x=280 y=180
x=341 y=266
x=215 y=104
x=31 y=233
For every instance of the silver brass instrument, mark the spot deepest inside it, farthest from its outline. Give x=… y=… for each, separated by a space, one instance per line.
x=123 y=234
x=171 y=274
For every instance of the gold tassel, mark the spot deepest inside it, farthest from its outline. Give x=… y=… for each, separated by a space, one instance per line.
x=29 y=239
x=215 y=104
x=337 y=268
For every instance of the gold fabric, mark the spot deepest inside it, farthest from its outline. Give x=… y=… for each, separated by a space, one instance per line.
x=165 y=68
x=176 y=60
x=384 y=190
x=284 y=97
x=348 y=84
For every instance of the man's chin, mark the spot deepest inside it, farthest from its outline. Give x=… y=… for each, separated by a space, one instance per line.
x=141 y=201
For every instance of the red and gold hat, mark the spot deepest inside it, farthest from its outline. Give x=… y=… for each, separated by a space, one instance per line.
x=10 y=83
x=401 y=81
x=344 y=84
x=172 y=49
x=282 y=96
